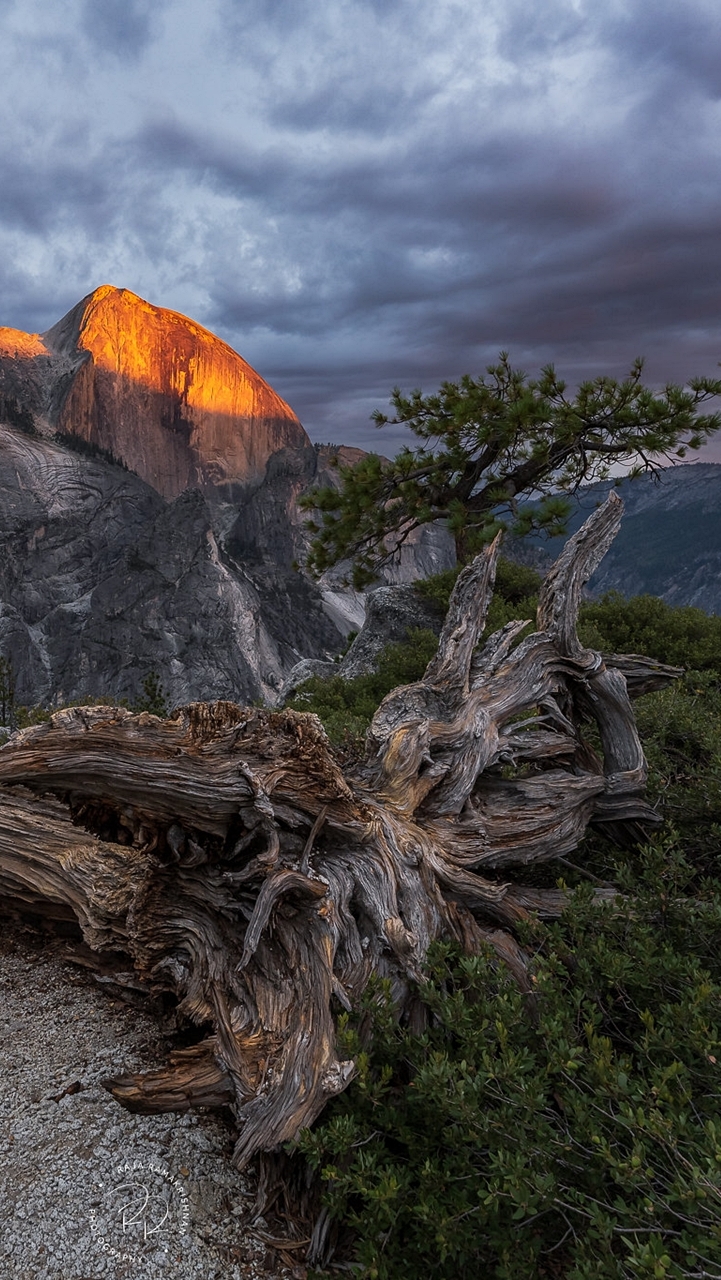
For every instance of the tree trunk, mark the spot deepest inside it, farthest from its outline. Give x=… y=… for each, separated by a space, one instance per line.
x=227 y=854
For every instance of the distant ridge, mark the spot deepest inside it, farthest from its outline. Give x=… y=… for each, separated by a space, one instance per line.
x=670 y=539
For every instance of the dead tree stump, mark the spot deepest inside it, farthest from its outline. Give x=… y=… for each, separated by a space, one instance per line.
x=227 y=855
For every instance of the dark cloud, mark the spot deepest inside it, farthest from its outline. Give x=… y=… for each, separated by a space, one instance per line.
x=359 y=194
x=37 y=199
x=668 y=40
x=122 y=27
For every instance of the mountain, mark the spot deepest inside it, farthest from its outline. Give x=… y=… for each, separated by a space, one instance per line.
x=670 y=539
x=149 y=514
x=103 y=581
x=160 y=393
x=150 y=484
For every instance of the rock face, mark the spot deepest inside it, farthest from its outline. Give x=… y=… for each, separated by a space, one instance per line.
x=184 y=559
x=392 y=613
x=670 y=539
x=149 y=515
x=102 y=581
x=160 y=393
x=269 y=530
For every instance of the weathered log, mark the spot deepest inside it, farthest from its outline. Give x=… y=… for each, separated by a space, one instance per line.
x=227 y=853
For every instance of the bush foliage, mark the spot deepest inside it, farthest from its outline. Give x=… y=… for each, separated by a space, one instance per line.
x=17 y=716
x=346 y=706
x=577 y=1133
x=683 y=637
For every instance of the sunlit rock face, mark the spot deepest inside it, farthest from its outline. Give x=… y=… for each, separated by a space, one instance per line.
x=186 y=560
x=160 y=393
x=15 y=344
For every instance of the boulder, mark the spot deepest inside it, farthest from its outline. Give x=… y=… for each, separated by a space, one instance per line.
x=391 y=613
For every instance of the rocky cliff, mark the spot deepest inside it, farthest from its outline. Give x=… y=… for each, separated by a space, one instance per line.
x=160 y=393
x=149 y=514
x=103 y=581
x=150 y=520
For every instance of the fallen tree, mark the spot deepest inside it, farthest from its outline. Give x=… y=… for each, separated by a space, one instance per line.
x=225 y=856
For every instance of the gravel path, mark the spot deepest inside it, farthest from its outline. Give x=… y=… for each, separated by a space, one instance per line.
x=88 y=1190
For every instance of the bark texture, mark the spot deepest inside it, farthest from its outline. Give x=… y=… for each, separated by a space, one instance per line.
x=240 y=868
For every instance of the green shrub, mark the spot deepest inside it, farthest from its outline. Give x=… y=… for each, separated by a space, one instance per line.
x=346 y=707
x=574 y=1134
x=8 y=709
x=153 y=697
x=683 y=637
x=27 y=716
x=514 y=583
x=680 y=729
x=437 y=589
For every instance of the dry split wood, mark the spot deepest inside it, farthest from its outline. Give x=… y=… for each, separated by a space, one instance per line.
x=239 y=867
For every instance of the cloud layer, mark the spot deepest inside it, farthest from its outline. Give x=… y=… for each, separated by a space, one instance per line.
x=359 y=194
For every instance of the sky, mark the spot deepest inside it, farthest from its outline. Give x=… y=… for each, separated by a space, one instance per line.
x=358 y=194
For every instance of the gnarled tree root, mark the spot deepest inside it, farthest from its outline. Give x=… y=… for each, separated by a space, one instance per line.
x=240 y=868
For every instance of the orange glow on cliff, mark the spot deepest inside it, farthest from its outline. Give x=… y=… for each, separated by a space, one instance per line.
x=170 y=354
x=158 y=391
x=13 y=342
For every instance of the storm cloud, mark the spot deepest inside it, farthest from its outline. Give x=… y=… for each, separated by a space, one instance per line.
x=359 y=194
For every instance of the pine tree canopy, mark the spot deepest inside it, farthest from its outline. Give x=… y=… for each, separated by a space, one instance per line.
x=485 y=443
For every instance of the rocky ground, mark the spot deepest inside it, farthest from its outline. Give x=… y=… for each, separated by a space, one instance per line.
x=88 y=1190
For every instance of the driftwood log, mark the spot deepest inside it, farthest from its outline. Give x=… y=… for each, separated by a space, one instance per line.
x=224 y=856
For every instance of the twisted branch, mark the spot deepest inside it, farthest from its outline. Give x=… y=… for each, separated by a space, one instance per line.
x=228 y=855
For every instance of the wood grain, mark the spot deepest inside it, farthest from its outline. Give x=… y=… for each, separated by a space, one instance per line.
x=227 y=853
